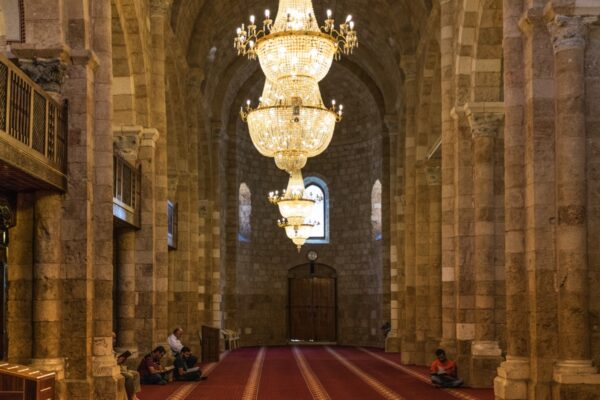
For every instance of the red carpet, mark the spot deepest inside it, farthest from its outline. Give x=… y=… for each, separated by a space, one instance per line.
x=311 y=372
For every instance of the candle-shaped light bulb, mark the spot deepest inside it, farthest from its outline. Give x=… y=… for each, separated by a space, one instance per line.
x=329 y=13
x=351 y=25
x=349 y=18
x=248 y=103
x=251 y=43
x=267 y=13
x=238 y=31
x=252 y=19
x=341 y=107
x=333 y=103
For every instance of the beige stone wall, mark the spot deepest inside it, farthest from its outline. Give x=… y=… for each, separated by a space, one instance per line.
x=479 y=117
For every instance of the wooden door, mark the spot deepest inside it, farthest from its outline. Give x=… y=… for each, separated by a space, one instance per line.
x=312 y=309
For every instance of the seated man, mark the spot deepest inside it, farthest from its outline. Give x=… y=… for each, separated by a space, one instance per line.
x=151 y=372
x=444 y=372
x=182 y=371
x=175 y=344
x=132 y=378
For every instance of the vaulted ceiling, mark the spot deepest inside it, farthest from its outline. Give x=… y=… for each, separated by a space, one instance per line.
x=387 y=29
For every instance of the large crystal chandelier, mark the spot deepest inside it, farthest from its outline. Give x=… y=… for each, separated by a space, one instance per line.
x=291 y=123
x=295 y=205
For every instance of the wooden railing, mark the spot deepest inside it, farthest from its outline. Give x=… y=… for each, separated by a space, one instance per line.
x=29 y=115
x=126 y=192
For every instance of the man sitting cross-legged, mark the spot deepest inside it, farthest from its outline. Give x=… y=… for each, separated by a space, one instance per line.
x=151 y=372
x=444 y=372
x=183 y=372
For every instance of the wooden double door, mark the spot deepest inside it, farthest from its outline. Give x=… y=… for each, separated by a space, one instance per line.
x=313 y=309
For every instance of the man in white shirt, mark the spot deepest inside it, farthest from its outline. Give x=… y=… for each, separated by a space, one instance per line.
x=175 y=344
x=174 y=340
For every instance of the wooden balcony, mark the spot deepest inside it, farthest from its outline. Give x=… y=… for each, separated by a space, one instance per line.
x=126 y=194
x=33 y=134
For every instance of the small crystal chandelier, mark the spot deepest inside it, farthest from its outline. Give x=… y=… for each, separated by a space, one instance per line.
x=295 y=207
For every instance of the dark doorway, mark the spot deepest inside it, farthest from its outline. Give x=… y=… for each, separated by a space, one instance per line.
x=312 y=313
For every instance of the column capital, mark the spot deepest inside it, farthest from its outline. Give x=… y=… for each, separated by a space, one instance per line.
x=7 y=214
x=391 y=123
x=49 y=73
x=127 y=141
x=433 y=172
x=569 y=32
x=485 y=119
x=160 y=7
x=149 y=137
x=408 y=65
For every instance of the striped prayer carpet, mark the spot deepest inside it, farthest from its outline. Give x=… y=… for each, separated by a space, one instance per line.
x=311 y=372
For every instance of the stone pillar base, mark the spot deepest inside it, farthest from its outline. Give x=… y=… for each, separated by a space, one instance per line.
x=392 y=344
x=407 y=352
x=421 y=358
x=576 y=372
x=485 y=359
x=108 y=381
x=511 y=382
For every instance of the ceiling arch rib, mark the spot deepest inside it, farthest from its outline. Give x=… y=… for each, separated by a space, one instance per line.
x=384 y=26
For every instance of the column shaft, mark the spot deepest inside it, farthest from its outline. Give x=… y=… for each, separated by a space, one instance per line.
x=126 y=332
x=434 y=332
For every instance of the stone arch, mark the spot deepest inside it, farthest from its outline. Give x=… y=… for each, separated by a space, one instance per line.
x=136 y=40
x=123 y=89
x=486 y=77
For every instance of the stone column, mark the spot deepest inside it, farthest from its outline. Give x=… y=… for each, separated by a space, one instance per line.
x=421 y=260
x=47 y=286
x=392 y=341
x=20 y=275
x=448 y=342
x=126 y=142
x=569 y=41
x=485 y=350
x=512 y=375
x=434 y=329
x=407 y=348
x=159 y=14
x=145 y=243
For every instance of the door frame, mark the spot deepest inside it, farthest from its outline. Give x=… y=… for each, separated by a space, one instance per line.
x=312 y=270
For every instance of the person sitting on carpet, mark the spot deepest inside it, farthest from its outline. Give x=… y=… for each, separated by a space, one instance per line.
x=151 y=372
x=182 y=370
x=175 y=344
x=444 y=372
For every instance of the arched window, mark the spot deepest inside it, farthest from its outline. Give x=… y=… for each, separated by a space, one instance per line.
x=317 y=188
x=376 y=210
x=245 y=211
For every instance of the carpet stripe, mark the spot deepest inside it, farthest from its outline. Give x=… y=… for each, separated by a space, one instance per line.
x=251 y=389
x=314 y=384
x=421 y=377
x=374 y=383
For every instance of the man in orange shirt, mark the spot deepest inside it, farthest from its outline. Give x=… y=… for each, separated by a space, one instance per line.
x=444 y=372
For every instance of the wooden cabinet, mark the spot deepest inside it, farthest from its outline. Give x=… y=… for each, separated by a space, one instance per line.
x=18 y=382
x=210 y=344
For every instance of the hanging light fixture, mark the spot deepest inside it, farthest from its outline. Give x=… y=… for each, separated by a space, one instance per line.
x=295 y=207
x=291 y=122
x=295 y=44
